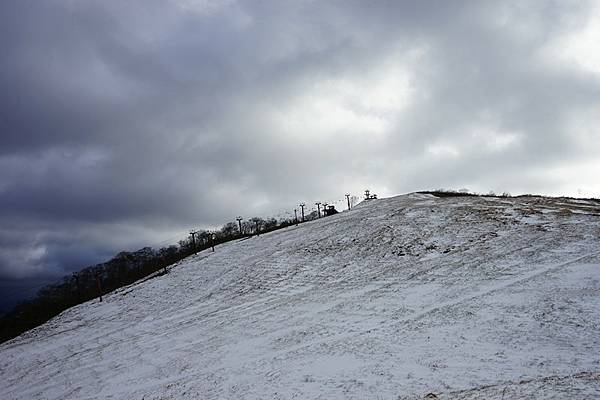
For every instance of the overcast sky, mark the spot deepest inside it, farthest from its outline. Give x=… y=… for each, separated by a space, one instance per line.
x=125 y=123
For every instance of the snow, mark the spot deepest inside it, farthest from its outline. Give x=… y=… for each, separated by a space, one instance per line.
x=461 y=297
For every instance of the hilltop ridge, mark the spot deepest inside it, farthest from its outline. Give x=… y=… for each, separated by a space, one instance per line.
x=464 y=297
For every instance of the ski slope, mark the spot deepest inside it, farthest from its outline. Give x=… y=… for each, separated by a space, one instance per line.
x=464 y=297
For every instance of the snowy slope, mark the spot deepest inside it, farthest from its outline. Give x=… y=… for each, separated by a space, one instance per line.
x=463 y=297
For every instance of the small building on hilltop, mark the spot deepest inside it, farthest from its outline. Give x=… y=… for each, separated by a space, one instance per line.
x=330 y=210
x=369 y=195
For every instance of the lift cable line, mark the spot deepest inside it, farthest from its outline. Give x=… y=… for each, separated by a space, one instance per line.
x=97 y=280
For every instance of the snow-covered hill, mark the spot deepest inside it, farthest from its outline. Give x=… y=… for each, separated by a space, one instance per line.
x=463 y=297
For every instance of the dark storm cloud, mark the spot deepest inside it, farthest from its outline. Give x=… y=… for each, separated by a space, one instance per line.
x=125 y=123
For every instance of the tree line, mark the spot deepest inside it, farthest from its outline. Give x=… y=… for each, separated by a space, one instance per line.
x=124 y=269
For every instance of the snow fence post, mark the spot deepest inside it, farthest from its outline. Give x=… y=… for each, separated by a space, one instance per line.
x=99 y=287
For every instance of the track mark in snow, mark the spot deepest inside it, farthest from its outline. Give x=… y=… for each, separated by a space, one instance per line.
x=502 y=285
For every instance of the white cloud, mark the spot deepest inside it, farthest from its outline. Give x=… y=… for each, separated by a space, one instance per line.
x=442 y=149
x=583 y=127
x=574 y=179
x=579 y=46
x=357 y=104
x=492 y=140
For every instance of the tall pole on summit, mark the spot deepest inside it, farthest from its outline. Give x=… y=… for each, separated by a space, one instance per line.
x=193 y=234
x=302 y=207
x=78 y=287
x=239 y=220
x=348 y=199
x=318 y=204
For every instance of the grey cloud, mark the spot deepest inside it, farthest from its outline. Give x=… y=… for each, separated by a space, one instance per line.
x=124 y=122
